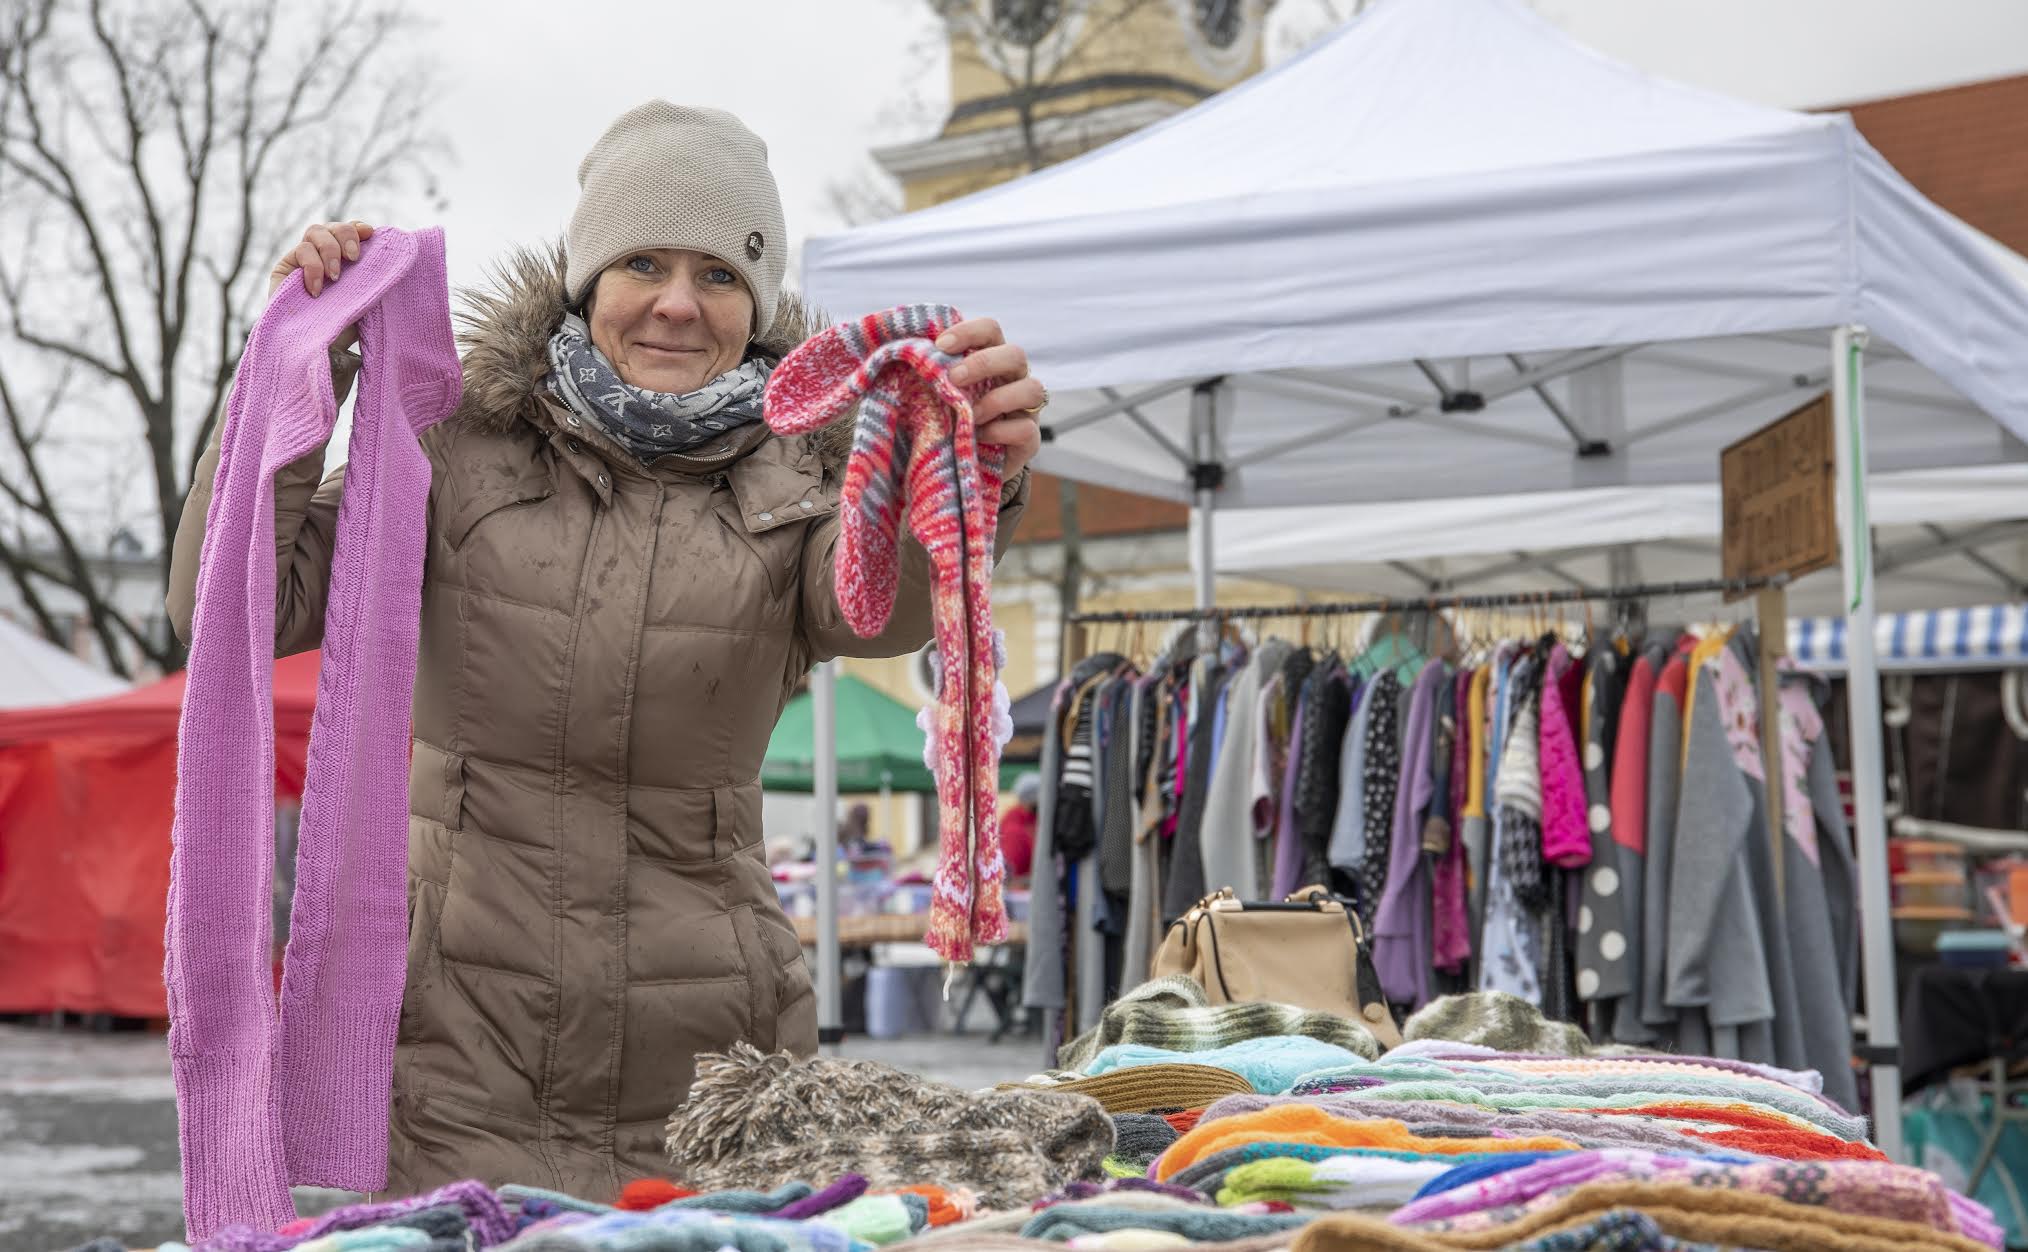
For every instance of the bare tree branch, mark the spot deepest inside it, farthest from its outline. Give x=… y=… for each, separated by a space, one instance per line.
x=167 y=151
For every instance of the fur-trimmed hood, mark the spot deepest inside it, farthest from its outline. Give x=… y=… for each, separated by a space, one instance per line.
x=504 y=328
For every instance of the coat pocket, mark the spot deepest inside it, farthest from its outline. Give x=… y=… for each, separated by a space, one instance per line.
x=776 y=549
x=472 y=508
x=436 y=787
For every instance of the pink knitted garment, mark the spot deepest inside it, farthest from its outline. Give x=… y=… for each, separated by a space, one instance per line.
x=1566 y=834
x=914 y=443
x=267 y=1096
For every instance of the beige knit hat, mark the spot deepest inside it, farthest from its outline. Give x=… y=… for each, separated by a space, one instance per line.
x=669 y=176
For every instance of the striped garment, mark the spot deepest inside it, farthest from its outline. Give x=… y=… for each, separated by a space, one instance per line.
x=914 y=445
x=1174 y=1013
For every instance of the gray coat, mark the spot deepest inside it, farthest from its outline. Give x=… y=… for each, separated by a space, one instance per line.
x=1665 y=751
x=1717 y=957
x=1231 y=858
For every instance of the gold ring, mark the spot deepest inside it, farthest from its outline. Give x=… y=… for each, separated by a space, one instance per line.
x=1038 y=408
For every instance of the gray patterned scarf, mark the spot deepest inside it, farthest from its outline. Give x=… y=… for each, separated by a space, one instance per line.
x=649 y=424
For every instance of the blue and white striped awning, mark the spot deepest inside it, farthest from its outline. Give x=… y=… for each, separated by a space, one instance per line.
x=1990 y=636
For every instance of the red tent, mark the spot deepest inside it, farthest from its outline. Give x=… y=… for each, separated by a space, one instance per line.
x=87 y=791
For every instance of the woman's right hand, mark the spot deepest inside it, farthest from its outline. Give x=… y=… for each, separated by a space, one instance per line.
x=321 y=257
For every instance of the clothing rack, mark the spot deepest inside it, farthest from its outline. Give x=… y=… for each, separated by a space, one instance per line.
x=1527 y=599
x=1089 y=1000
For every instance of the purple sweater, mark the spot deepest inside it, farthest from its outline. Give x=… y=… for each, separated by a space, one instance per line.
x=1402 y=940
x=266 y=1096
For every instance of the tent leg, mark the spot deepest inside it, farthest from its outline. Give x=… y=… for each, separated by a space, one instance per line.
x=824 y=728
x=1883 y=1026
x=1204 y=449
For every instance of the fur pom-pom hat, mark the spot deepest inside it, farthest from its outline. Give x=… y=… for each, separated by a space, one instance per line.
x=757 y=1120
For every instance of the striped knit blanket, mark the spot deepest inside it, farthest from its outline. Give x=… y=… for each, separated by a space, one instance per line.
x=914 y=448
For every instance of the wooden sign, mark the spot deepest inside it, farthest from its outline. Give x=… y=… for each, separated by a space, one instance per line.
x=1780 y=497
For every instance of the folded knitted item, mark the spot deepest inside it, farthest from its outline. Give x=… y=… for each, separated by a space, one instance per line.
x=1173 y=1012
x=837 y=1195
x=914 y=447
x=1637 y=1070
x=1129 y=1240
x=1149 y=1088
x=1478 y=1171
x=375 y=1239
x=878 y=1219
x=1208 y=1174
x=1195 y=1224
x=1342 y=1182
x=1494 y=1019
x=768 y=1119
x=1140 y=1137
x=1849 y=1128
x=947 y=1205
x=681 y=1230
x=1436 y=1117
x=484 y=1212
x=1756 y=1130
x=966 y=1239
x=1689 y=1210
x=1541 y=1062
x=1874 y=1189
x=1304 y=1124
x=1273 y=1064
x=649 y=1193
x=1081 y=1191
x=1665 y=1084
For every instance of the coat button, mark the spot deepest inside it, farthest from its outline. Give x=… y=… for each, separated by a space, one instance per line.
x=604 y=481
x=574 y=446
x=767 y=517
x=807 y=504
x=572 y=419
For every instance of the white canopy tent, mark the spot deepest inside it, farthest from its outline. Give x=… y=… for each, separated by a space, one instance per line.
x=1943 y=537
x=35 y=672
x=1355 y=278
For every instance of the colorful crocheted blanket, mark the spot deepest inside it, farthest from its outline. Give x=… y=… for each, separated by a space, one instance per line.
x=914 y=450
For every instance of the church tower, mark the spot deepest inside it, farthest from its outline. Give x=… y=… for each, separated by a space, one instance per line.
x=1034 y=82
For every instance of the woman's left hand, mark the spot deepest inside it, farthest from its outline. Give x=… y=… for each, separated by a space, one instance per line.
x=1006 y=414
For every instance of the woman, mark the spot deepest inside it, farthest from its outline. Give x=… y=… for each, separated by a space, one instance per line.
x=627 y=575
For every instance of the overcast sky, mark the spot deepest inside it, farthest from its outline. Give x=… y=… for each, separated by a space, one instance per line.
x=531 y=83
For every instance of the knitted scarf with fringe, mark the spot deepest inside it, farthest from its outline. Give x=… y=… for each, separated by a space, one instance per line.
x=914 y=449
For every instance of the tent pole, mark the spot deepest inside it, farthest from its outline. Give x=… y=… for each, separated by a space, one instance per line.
x=1883 y=1026
x=824 y=728
x=1204 y=476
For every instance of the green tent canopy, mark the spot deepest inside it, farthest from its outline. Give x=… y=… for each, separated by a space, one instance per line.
x=879 y=747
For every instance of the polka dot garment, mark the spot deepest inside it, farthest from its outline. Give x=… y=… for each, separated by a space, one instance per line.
x=1603 y=971
x=1382 y=779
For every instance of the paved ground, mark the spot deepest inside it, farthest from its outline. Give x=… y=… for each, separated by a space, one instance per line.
x=88 y=1129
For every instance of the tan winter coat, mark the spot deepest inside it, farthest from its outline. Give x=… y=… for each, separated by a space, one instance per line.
x=605 y=651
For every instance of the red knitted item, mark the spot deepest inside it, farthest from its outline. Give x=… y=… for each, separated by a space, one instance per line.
x=1185 y=1121
x=643 y=1194
x=1759 y=1133
x=914 y=442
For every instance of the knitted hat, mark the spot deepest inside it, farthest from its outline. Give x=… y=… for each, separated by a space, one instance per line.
x=1495 y=1019
x=670 y=176
x=754 y=1121
x=1147 y=1088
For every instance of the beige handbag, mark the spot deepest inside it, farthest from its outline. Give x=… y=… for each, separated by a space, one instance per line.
x=1308 y=950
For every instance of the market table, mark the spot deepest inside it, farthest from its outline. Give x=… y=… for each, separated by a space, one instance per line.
x=868 y=929
x=996 y=975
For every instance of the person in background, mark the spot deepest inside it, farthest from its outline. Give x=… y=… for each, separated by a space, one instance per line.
x=856 y=830
x=1017 y=827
